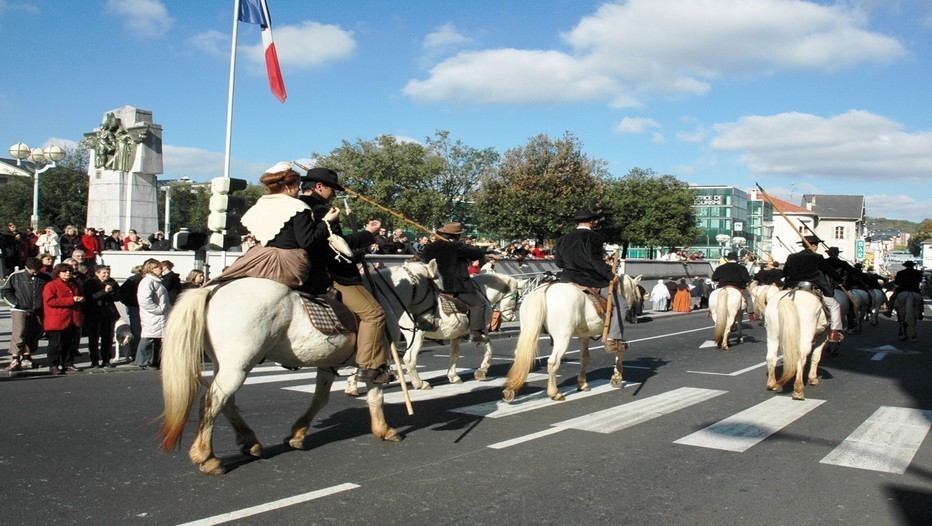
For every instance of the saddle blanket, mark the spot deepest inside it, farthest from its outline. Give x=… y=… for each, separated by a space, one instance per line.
x=327 y=315
x=452 y=306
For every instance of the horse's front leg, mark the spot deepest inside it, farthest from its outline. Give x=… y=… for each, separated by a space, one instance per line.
x=617 y=376
x=483 y=370
x=584 y=357
x=773 y=345
x=454 y=357
x=321 y=396
x=352 y=384
x=380 y=428
x=415 y=341
x=740 y=323
x=245 y=437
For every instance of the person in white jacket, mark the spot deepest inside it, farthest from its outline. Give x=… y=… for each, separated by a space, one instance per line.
x=47 y=243
x=153 y=313
x=660 y=296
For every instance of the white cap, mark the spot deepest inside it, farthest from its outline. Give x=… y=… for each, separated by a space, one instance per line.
x=280 y=166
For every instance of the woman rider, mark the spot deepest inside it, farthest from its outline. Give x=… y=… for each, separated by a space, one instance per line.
x=284 y=228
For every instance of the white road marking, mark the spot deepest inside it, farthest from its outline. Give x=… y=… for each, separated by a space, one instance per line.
x=626 y=415
x=887 y=441
x=530 y=402
x=743 y=430
x=269 y=506
x=736 y=373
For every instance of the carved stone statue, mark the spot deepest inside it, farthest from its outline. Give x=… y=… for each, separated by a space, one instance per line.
x=114 y=146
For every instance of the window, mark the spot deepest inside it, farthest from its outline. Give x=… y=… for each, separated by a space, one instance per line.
x=839 y=232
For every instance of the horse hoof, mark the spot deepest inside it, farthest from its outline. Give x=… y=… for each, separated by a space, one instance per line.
x=353 y=392
x=508 y=395
x=392 y=436
x=798 y=396
x=479 y=375
x=741 y=340
x=456 y=380
x=773 y=388
x=213 y=467
x=814 y=382
x=558 y=397
x=616 y=382
x=426 y=387
x=254 y=450
x=583 y=387
x=296 y=443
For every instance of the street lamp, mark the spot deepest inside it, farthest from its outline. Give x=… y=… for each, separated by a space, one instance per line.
x=51 y=156
x=739 y=242
x=722 y=240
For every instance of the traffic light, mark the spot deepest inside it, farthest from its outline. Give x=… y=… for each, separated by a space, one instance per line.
x=225 y=208
x=187 y=240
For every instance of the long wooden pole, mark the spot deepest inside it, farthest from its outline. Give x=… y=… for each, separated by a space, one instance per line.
x=611 y=296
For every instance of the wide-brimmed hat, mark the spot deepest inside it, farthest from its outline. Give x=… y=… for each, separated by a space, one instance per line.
x=909 y=263
x=732 y=256
x=834 y=250
x=813 y=240
x=453 y=229
x=323 y=175
x=584 y=214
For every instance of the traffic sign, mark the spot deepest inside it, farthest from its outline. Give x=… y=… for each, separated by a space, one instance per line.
x=859 y=249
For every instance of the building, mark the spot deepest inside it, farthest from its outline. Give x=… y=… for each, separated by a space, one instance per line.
x=9 y=168
x=722 y=217
x=840 y=222
x=786 y=233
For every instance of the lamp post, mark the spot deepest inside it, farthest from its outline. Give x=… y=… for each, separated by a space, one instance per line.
x=38 y=156
x=722 y=240
x=739 y=242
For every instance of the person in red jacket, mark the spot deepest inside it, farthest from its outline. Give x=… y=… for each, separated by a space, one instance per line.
x=61 y=306
x=91 y=244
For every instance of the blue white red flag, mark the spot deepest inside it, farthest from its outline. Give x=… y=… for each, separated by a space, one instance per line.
x=257 y=12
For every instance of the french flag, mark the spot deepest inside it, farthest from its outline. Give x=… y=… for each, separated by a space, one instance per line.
x=257 y=12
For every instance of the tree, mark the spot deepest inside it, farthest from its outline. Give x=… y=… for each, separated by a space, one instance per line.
x=649 y=210
x=190 y=205
x=62 y=194
x=462 y=168
x=538 y=187
x=923 y=232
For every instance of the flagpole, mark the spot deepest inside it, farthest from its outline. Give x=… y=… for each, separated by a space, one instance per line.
x=229 y=133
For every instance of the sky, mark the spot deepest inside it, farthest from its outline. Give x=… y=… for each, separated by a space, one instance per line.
x=823 y=97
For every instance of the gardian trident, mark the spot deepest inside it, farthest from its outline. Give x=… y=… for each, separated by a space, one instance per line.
x=801 y=236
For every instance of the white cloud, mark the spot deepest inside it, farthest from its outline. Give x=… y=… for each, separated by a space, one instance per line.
x=144 y=18
x=856 y=145
x=445 y=37
x=305 y=46
x=626 y=52
x=636 y=125
x=200 y=164
x=897 y=206
x=212 y=42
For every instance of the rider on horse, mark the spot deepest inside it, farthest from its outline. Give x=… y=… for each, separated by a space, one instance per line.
x=318 y=190
x=806 y=266
x=770 y=273
x=284 y=229
x=906 y=280
x=453 y=258
x=734 y=274
x=579 y=254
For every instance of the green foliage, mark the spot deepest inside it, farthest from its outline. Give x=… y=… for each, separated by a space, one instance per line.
x=645 y=209
x=62 y=194
x=190 y=205
x=538 y=188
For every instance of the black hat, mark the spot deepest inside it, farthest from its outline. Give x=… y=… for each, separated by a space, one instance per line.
x=834 y=250
x=323 y=175
x=583 y=215
x=909 y=263
x=732 y=256
x=813 y=240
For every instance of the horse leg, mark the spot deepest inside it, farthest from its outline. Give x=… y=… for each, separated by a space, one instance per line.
x=773 y=344
x=416 y=341
x=740 y=325
x=814 y=363
x=560 y=345
x=617 y=380
x=352 y=384
x=454 y=357
x=805 y=348
x=483 y=370
x=379 y=426
x=245 y=437
x=581 y=383
x=321 y=397
x=226 y=382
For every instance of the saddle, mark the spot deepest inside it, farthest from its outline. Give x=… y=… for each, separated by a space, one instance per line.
x=810 y=287
x=452 y=306
x=594 y=294
x=328 y=315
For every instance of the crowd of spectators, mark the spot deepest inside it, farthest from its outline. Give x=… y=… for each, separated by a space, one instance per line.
x=77 y=298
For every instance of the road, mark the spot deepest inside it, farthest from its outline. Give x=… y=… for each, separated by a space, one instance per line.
x=693 y=438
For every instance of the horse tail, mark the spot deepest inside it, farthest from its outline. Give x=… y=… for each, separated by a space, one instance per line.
x=721 y=318
x=183 y=349
x=533 y=312
x=789 y=338
x=911 y=316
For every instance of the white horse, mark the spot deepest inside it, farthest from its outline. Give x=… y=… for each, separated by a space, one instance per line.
x=878 y=298
x=726 y=306
x=249 y=320
x=497 y=289
x=860 y=309
x=908 y=306
x=634 y=295
x=762 y=295
x=797 y=325
x=564 y=311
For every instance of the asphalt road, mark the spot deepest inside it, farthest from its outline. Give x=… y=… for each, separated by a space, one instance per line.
x=693 y=438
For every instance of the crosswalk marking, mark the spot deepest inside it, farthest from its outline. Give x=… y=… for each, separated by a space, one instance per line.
x=887 y=441
x=449 y=390
x=626 y=415
x=743 y=430
x=532 y=401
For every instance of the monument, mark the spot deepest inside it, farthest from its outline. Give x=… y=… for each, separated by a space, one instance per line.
x=126 y=156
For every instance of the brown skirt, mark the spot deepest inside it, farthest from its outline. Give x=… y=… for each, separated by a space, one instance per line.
x=287 y=266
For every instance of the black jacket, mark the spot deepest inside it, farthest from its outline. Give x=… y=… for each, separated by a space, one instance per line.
x=732 y=274
x=806 y=265
x=453 y=259
x=326 y=268
x=580 y=255
x=908 y=279
x=100 y=304
x=128 y=290
x=23 y=292
x=769 y=276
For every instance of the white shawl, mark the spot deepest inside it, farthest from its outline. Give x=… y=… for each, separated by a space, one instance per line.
x=270 y=213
